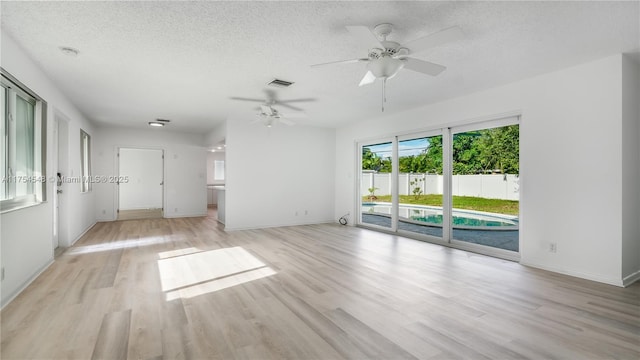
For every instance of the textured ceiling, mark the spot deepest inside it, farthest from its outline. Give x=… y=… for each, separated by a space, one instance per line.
x=183 y=60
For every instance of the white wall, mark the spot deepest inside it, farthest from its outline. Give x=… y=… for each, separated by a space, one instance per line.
x=570 y=129
x=26 y=236
x=630 y=169
x=272 y=174
x=184 y=168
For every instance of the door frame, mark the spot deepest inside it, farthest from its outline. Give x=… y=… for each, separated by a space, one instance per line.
x=116 y=200
x=505 y=119
x=60 y=218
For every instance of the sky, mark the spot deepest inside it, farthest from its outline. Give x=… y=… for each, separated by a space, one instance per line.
x=405 y=148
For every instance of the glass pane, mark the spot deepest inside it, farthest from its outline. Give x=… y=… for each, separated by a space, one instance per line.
x=420 y=185
x=218 y=170
x=24 y=147
x=4 y=159
x=85 y=144
x=485 y=187
x=375 y=185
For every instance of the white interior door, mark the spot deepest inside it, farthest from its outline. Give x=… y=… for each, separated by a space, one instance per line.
x=141 y=172
x=61 y=166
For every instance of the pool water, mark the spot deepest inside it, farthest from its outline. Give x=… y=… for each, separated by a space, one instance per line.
x=432 y=215
x=462 y=221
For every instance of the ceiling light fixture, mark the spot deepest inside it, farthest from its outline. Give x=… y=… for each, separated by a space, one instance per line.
x=156 y=124
x=69 y=51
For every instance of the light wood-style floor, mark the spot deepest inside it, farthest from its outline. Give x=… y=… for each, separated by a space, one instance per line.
x=183 y=288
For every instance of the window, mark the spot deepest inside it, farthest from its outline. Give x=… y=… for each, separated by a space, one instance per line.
x=85 y=161
x=218 y=170
x=22 y=162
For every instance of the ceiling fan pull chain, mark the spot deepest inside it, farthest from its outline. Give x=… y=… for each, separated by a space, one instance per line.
x=384 y=95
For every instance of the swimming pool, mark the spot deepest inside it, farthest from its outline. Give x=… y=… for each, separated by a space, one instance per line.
x=432 y=216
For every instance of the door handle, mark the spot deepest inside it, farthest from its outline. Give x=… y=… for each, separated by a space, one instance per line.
x=59 y=191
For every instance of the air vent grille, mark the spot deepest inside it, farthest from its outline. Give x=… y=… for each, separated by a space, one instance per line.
x=280 y=83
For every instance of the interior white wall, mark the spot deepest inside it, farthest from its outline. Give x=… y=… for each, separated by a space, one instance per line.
x=211 y=157
x=216 y=136
x=185 y=192
x=26 y=236
x=630 y=169
x=275 y=173
x=570 y=130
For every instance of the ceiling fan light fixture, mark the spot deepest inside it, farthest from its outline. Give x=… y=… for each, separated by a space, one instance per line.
x=385 y=67
x=156 y=124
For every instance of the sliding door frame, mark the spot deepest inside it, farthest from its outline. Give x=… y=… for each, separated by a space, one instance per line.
x=447 y=133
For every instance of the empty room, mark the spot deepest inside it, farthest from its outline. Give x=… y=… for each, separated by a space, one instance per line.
x=320 y=180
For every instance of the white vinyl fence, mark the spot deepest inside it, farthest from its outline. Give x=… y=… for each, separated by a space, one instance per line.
x=498 y=186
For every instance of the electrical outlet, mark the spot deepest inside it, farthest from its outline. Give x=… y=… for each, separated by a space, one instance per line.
x=553 y=247
x=2 y=274
x=175 y=210
x=104 y=212
x=306 y=212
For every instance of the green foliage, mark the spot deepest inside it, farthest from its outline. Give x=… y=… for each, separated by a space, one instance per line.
x=371 y=161
x=372 y=193
x=474 y=152
x=417 y=190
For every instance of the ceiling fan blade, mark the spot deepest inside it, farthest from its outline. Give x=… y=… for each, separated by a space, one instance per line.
x=297 y=100
x=287 y=122
x=365 y=36
x=296 y=115
x=289 y=106
x=444 y=36
x=368 y=78
x=424 y=67
x=246 y=99
x=350 y=61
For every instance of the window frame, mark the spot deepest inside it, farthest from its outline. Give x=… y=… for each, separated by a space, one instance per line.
x=38 y=179
x=85 y=162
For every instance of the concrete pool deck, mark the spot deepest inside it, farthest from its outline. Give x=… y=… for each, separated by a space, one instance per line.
x=501 y=239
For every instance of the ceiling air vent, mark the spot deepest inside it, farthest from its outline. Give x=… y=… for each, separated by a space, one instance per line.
x=280 y=83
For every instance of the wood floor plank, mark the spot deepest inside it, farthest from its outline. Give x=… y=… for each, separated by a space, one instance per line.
x=113 y=338
x=186 y=289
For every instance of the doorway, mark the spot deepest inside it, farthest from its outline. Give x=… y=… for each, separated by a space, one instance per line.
x=140 y=183
x=61 y=170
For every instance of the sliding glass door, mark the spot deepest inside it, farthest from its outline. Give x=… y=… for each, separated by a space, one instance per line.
x=376 y=185
x=420 y=184
x=456 y=185
x=485 y=186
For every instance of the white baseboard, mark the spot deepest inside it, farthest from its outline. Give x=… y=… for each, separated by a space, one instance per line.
x=185 y=215
x=331 y=221
x=84 y=232
x=578 y=274
x=631 y=278
x=15 y=294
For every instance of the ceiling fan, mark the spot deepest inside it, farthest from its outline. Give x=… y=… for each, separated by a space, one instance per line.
x=387 y=58
x=269 y=115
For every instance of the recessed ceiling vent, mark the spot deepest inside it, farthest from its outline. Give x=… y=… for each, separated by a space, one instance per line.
x=280 y=83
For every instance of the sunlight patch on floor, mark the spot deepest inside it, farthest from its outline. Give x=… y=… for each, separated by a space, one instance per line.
x=197 y=273
x=114 y=245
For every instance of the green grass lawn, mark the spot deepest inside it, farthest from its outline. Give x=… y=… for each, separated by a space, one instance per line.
x=509 y=207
